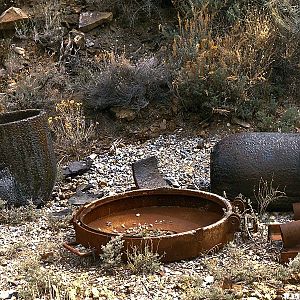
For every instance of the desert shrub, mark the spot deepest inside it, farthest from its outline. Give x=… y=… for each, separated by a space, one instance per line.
x=111 y=256
x=271 y=121
x=72 y=132
x=144 y=260
x=120 y=82
x=47 y=29
x=41 y=88
x=244 y=64
x=223 y=71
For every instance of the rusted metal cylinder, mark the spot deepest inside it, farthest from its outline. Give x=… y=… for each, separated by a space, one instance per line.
x=27 y=161
x=239 y=162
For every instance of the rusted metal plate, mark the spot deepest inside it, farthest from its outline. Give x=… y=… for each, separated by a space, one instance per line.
x=177 y=224
x=296 y=209
x=287 y=255
x=274 y=233
x=290 y=233
x=146 y=174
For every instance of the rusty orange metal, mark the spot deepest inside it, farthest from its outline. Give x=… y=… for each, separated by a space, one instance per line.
x=180 y=224
x=289 y=234
x=296 y=209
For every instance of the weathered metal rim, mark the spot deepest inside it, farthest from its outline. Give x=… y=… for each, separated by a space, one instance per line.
x=20 y=116
x=160 y=191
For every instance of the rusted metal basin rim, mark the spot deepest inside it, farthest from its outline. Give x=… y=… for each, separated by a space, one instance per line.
x=160 y=191
x=8 y=118
x=201 y=221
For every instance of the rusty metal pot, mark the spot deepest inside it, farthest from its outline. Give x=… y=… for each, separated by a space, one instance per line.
x=27 y=161
x=195 y=222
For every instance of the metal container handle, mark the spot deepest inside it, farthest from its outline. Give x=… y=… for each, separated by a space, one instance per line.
x=234 y=222
x=70 y=246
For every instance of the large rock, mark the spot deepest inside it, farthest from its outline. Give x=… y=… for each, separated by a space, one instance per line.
x=91 y=19
x=239 y=163
x=11 y=17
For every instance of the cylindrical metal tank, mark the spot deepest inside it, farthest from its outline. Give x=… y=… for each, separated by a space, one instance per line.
x=27 y=161
x=240 y=161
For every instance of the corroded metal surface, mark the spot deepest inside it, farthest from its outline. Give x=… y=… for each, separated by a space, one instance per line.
x=296 y=209
x=289 y=234
x=194 y=222
x=146 y=174
x=27 y=162
x=238 y=163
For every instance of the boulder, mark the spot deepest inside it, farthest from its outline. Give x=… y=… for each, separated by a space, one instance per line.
x=11 y=17
x=90 y=20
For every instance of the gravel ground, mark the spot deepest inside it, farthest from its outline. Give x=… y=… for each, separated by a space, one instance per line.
x=31 y=256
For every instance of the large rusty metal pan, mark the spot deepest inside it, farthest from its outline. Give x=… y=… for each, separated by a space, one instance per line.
x=177 y=224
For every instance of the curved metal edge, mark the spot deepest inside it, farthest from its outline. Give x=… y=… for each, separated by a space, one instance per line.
x=77 y=218
x=69 y=247
x=40 y=113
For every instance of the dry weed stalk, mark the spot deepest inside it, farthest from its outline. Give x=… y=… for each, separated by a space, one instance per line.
x=143 y=259
x=111 y=256
x=71 y=130
x=286 y=14
x=266 y=194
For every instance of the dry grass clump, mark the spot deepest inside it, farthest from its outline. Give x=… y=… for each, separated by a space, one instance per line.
x=41 y=282
x=47 y=28
x=130 y=11
x=266 y=194
x=144 y=260
x=18 y=215
x=111 y=256
x=72 y=132
x=140 y=260
x=40 y=87
x=237 y=274
x=123 y=83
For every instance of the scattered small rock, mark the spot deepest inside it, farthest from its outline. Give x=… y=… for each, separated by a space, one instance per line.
x=124 y=113
x=78 y=38
x=240 y=123
x=81 y=198
x=91 y=20
x=18 y=50
x=84 y=187
x=77 y=168
x=10 y=294
x=172 y=182
x=89 y=43
x=200 y=144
